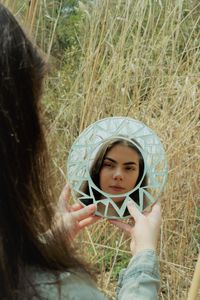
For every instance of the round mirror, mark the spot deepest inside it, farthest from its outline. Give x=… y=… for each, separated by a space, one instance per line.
x=113 y=161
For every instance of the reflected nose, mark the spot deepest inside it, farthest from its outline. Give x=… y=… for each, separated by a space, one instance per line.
x=118 y=174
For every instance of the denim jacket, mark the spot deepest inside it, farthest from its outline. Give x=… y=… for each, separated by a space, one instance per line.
x=140 y=280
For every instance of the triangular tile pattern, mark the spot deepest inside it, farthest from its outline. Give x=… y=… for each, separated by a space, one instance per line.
x=87 y=144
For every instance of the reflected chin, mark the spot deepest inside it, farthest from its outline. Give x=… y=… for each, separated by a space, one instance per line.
x=117 y=200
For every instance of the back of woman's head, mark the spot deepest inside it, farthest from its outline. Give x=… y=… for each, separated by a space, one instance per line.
x=21 y=139
x=25 y=191
x=21 y=144
x=21 y=74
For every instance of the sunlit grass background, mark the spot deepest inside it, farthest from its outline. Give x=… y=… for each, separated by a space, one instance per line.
x=127 y=58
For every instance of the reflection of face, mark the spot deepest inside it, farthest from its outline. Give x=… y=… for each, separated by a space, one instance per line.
x=120 y=170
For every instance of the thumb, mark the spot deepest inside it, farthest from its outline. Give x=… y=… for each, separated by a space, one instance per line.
x=156 y=209
x=155 y=214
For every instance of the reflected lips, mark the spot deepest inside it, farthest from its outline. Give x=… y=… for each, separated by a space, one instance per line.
x=117 y=188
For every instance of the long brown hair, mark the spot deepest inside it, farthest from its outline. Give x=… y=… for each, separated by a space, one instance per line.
x=26 y=205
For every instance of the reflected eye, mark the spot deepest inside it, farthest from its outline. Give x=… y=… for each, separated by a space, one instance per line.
x=130 y=168
x=107 y=164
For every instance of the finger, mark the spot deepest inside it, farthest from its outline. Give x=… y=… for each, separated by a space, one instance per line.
x=135 y=213
x=121 y=225
x=76 y=207
x=156 y=211
x=89 y=221
x=84 y=212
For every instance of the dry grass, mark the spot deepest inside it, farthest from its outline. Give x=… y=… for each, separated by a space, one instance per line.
x=138 y=59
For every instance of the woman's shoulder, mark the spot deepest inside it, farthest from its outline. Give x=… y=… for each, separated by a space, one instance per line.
x=66 y=285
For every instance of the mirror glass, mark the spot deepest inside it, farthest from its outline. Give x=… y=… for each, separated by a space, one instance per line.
x=116 y=160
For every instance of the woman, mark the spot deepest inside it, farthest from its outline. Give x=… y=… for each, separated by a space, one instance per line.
x=37 y=256
x=118 y=168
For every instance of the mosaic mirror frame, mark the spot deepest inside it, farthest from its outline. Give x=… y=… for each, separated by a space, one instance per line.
x=82 y=155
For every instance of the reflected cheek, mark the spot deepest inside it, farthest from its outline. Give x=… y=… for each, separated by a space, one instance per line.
x=135 y=180
x=104 y=179
x=132 y=182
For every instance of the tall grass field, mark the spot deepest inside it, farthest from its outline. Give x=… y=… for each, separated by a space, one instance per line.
x=135 y=58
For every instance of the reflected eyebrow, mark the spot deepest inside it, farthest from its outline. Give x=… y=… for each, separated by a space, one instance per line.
x=126 y=163
x=130 y=163
x=112 y=160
